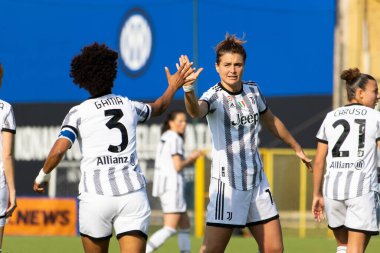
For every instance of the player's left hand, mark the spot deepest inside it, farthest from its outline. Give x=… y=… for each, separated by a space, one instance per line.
x=317 y=208
x=306 y=160
x=193 y=76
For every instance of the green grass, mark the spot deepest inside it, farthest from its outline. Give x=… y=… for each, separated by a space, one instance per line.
x=316 y=241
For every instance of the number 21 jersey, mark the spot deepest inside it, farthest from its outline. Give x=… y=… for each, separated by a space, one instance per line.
x=106 y=131
x=351 y=133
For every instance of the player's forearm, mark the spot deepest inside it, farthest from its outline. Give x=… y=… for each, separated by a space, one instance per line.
x=162 y=103
x=9 y=173
x=317 y=179
x=283 y=133
x=192 y=106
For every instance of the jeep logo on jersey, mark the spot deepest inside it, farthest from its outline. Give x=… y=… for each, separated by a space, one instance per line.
x=136 y=40
x=245 y=119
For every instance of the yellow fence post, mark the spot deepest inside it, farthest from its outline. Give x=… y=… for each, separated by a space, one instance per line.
x=199 y=197
x=302 y=199
x=268 y=165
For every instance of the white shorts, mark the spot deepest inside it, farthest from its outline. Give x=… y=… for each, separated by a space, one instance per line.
x=127 y=214
x=4 y=198
x=356 y=214
x=173 y=201
x=229 y=207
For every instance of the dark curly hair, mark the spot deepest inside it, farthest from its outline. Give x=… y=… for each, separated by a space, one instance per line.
x=231 y=44
x=95 y=68
x=354 y=79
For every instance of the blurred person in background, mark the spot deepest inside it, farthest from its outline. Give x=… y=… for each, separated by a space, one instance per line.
x=112 y=193
x=7 y=182
x=169 y=182
x=347 y=147
x=239 y=192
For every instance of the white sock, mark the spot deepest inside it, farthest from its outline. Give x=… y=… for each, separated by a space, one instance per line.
x=158 y=238
x=184 y=240
x=341 y=249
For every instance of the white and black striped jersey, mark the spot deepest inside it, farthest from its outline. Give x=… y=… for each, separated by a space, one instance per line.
x=166 y=177
x=7 y=124
x=351 y=133
x=106 y=131
x=233 y=120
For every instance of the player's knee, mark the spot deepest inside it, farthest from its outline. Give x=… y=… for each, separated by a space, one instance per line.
x=273 y=248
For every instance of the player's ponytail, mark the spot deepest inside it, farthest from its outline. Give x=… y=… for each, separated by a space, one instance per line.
x=354 y=79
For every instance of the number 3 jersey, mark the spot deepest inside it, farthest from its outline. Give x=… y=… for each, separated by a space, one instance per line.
x=106 y=131
x=351 y=133
x=233 y=120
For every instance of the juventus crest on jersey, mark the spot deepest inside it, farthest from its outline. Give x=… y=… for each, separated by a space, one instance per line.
x=351 y=133
x=233 y=120
x=106 y=131
x=8 y=124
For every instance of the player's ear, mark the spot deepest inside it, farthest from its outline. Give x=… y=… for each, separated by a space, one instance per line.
x=217 y=67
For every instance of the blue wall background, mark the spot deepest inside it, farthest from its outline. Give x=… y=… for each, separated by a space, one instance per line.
x=289 y=44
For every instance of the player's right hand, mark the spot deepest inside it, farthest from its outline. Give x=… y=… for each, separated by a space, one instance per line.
x=39 y=188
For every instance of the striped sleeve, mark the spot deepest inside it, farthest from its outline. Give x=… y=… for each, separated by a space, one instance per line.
x=9 y=123
x=144 y=111
x=261 y=101
x=321 y=135
x=70 y=125
x=176 y=146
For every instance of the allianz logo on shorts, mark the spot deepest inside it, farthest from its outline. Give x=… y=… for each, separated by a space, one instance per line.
x=136 y=41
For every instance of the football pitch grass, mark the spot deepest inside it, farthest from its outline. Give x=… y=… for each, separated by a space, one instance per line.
x=316 y=241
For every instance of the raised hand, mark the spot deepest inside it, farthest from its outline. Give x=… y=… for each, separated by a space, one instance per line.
x=193 y=76
x=179 y=78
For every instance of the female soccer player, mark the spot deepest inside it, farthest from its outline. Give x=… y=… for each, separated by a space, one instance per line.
x=347 y=143
x=112 y=193
x=169 y=182
x=7 y=183
x=239 y=192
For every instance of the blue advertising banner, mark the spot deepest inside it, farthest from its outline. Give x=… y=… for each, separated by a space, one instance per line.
x=289 y=44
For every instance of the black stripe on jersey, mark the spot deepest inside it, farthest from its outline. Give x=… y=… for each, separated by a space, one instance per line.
x=8 y=130
x=147 y=114
x=112 y=180
x=127 y=178
x=98 y=186
x=323 y=141
x=85 y=181
x=360 y=185
x=348 y=184
x=228 y=141
x=72 y=128
x=336 y=183
x=242 y=157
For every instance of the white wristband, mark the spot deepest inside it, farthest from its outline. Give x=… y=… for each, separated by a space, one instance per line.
x=188 y=88
x=42 y=177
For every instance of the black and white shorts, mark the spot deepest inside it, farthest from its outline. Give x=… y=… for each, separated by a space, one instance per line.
x=229 y=207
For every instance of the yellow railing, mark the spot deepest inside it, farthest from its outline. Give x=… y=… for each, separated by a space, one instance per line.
x=268 y=157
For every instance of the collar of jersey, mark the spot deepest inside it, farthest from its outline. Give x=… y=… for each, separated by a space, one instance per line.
x=101 y=94
x=354 y=104
x=229 y=92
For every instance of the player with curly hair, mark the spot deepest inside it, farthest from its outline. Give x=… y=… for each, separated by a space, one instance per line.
x=112 y=190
